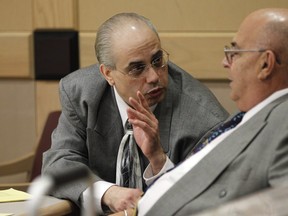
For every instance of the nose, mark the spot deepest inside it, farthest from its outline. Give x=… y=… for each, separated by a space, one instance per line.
x=225 y=63
x=152 y=74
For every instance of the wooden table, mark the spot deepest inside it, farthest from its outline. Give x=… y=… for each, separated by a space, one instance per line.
x=50 y=206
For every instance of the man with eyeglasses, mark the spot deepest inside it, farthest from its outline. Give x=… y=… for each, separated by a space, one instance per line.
x=248 y=157
x=94 y=103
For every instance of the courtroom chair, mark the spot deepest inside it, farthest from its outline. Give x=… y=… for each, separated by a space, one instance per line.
x=30 y=164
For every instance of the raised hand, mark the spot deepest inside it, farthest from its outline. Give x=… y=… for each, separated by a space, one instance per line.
x=146 y=132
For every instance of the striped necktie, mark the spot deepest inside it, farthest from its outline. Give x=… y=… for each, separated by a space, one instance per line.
x=128 y=170
x=233 y=122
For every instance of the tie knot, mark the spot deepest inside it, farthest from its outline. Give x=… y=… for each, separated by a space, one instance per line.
x=128 y=126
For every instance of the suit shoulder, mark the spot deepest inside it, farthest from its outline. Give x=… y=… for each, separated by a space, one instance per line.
x=184 y=81
x=193 y=92
x=279 y=109
x=86 y=73
x=85 y=83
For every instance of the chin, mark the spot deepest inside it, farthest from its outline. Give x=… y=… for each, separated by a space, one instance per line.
x=154 y=100
x=151 y=103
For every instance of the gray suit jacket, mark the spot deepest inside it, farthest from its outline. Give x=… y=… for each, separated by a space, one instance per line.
x=90 y=128
x=252 y=158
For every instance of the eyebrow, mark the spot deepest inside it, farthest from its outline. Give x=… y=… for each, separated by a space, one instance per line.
x=155 y=55
x=135 y=63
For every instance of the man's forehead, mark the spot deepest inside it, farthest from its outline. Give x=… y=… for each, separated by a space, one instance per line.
x=243 y=37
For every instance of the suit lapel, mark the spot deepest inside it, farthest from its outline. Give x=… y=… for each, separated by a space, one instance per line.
x=212 y=165
x=163 y=113
x=109 y=124
x=104 y=138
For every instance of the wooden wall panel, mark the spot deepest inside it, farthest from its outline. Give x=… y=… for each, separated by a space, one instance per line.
x=47 y=100
x=184 y=15
x=86 y=48
x=16 y=55
x=55 y=14
x=15 y=15
x=198 y=53
x=17 y=125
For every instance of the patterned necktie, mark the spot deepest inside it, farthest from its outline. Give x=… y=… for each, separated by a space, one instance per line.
x=128 y=170
x=219 y=130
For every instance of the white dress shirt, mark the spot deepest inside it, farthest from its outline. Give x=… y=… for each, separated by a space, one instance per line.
x=165 y=182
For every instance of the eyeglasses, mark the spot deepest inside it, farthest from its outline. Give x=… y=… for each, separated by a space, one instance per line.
x=158 y=63
x=230 y=52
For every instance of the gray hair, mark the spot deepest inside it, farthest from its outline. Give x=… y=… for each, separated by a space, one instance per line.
x=103 y=45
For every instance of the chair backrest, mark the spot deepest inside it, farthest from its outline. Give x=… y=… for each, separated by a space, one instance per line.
x=44 y=142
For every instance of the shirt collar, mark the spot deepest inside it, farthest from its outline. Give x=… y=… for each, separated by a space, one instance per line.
x=264 y=103
x=123 y=106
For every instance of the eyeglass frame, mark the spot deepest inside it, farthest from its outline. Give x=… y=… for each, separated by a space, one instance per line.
x=228 y=51
x=165 y=55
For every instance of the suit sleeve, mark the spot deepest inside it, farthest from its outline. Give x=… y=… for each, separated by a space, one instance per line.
x=68 y=148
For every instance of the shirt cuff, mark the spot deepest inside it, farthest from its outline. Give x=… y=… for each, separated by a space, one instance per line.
x=99 y=188
x=148 y=174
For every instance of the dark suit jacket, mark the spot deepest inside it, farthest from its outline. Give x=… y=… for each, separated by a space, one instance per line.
x=253 y=157
x=90 y=128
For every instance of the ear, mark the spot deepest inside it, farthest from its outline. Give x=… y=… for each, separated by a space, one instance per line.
x=106 y=72
x=267 y=62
